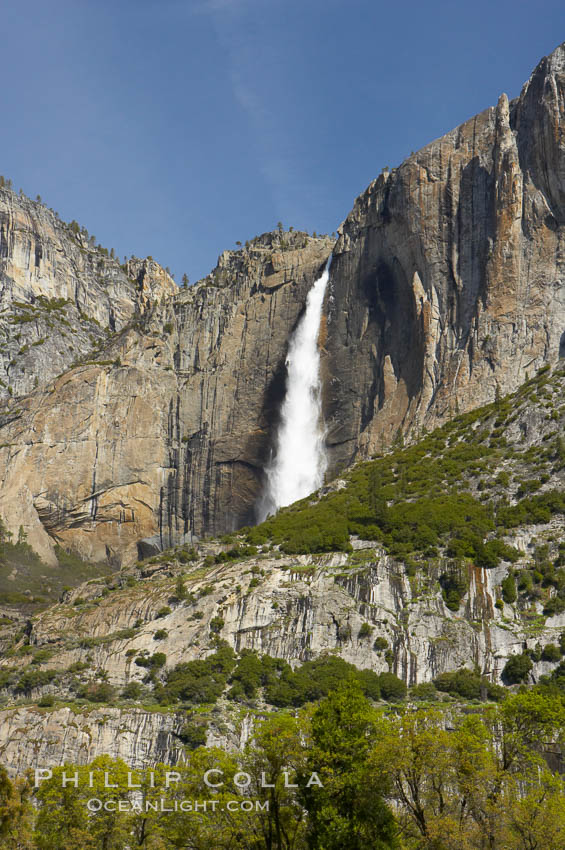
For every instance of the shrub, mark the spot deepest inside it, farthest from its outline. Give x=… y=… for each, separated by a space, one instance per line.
x=554 y=605
x=163 y=612
x=132 y=690
x=180 y=589
x=79 y=666
x=7 y=676
x=304 y=529
x=315 y=679
x=42 y=655
x=393 y=689
x=517 y=668
x=370 y=683
x=193 y=735
x=160 y=634
x=216 y=625
x=32 y=679
x=556 y=681
x=454 y=586
x=234 y=553
x=467 y=684
x=489 y=554
x=425 y=691
x=186 y=556
x=97 y=692
x=550 y=652
x=125 y=634
x=365 y=631
x=153 y=662
x=380 y=644
x=508 y=586
x=247 y=676
x=199 y=681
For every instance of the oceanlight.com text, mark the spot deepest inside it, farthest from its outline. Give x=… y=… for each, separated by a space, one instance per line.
x=164 y=805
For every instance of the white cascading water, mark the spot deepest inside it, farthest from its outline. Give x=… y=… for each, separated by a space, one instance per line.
x=299 y=464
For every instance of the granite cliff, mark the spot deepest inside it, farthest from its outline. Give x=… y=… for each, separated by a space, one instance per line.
x=90 y=674
x=162 y=430
x=61 y=296
x=448 y=276
x=446 y=289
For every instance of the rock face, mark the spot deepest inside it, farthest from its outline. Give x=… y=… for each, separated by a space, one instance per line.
x=375 y=611
x=448 y=278
x=60 y=297
x=447 y=286
x=32 y=738
x=304 y=607
x=165 y=430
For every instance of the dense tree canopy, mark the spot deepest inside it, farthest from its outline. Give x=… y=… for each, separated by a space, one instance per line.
x=339 y=775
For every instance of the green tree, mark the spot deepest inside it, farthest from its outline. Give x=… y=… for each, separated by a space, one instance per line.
x=219 y=829
x=180 y=589
x=278 y=747
x=149 y=824
x=412 y=753
x=16 y=813
x=508 y=586
x=5 y=535
x=480 y=785
x=537 y=817
x=392 y=688
x=349 y=812
x=64 y=820
x=517 y=668
x=377 y=502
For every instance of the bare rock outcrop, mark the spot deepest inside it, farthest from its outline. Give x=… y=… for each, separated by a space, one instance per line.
x=448 y=279
x=61 y=296
x=164 y=432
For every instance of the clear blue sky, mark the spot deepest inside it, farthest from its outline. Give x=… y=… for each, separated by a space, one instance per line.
x=176 y=127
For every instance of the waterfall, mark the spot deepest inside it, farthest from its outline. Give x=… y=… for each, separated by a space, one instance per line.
x=300 y=462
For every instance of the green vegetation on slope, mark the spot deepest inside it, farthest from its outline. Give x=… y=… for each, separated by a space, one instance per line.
x=27 y=584
x=204 y=681
x=457 y=490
